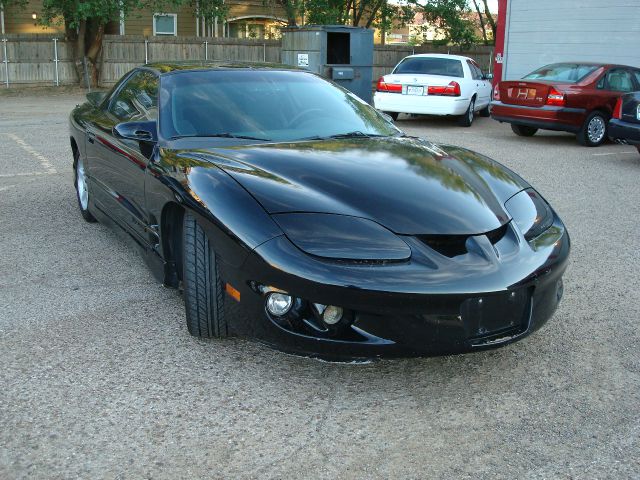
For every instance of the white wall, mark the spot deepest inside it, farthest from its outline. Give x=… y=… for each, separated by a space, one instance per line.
x=539 y=32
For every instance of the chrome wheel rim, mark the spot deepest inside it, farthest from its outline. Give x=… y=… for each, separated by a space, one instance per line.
x=472 y=106
x=81 y=185
x=595 y=129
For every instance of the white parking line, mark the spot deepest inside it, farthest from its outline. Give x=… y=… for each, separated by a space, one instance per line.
x=613 y=153
x=46 y=164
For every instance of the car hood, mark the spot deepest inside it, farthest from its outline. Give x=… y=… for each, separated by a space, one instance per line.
x=408 y=185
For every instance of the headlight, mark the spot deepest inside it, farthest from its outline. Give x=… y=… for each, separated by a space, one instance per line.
x=530 y=212
x=342 y=237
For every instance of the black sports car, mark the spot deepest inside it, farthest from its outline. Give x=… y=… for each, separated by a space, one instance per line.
x=292 y=212
x=624 y=126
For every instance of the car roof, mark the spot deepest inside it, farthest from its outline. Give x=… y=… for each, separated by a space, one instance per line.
x=164 y=68
x=439 y=55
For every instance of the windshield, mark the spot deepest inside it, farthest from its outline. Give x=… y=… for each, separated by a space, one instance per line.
x=264 y=105
x=562 y=72
x=447 y=67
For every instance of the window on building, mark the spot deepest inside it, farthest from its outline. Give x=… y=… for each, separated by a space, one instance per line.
x=165 y=24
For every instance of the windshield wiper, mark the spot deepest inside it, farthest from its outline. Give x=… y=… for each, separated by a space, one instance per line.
x=354 y=134
x=221 y=135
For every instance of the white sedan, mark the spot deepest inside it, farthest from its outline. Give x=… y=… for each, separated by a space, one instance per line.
x=432 y=84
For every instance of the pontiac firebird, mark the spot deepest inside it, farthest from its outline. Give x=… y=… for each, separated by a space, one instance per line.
x=289 y=211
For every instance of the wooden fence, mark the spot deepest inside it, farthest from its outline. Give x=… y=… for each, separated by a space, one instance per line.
x=386 y=57
x=122 y=53
x=31 y=59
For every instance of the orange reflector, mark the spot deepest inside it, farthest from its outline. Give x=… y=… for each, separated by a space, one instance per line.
x=233 y=293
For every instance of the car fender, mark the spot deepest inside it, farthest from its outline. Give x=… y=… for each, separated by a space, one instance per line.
x=234 y=221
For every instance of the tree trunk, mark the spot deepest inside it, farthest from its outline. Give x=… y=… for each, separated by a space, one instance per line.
x=482 y=25
x=93 y=50
x=78 y=51
x=490 y=19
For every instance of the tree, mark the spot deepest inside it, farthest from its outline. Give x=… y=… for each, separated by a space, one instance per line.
x=481 y=20
x=85 y=20
x=450 y=19
x=490 y=18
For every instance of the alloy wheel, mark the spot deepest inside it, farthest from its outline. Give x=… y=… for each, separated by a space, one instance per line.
x=596 y=129
x=81 y=185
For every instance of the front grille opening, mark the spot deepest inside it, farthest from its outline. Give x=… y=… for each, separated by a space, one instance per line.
x=454 y=245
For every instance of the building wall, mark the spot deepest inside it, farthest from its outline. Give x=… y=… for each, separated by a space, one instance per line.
x=140 y=22
x=18 y=20
x=547 y=31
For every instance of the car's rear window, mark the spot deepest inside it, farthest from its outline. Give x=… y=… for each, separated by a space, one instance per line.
x=562 y=72
x=447 y=67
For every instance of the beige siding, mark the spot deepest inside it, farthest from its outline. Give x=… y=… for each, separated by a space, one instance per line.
x=140 y=22
x=18 y=20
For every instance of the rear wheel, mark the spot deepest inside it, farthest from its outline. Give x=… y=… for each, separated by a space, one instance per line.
x=203 y=290
x=467 y=119
x=594 y=130
x=485 y=112
x=523 y=130
x=82 y=187
x=393 y=115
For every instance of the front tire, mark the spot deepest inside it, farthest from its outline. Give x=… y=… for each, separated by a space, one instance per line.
x=485 y=112
x=594 y=130
x=81 y=182
x=203 y=289
x=523 y=130
x=467 y=119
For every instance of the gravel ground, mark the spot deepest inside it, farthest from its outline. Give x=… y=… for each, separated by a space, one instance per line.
x=100 y=379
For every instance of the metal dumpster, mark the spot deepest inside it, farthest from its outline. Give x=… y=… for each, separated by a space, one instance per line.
x=340 y=53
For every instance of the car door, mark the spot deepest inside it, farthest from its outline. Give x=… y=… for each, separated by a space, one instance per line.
x=119 y=164
x=482 y=85
x=614 y=83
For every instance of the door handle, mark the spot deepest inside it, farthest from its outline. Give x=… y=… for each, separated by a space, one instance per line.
x=91 y=137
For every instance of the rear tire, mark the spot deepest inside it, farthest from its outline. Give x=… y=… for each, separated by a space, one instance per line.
x=467 y=119
x=523 y=130
x=485 y=112
x=203 y=290
x=594 y=130
x=81 y=182
x=393 y=115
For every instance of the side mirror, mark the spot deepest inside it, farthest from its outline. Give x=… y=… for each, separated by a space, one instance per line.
x=140 y=131
x=488 y=76
x=96 y=98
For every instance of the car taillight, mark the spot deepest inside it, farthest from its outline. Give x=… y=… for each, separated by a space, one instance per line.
x=496 y=93
x=388 y=87
x=617 y=111
x=451 y=90
x=554 y=97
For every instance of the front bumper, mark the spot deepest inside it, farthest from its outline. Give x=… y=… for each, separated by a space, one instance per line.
x=629 y=132
x=420 y=105
x=429 y=305
x=547 y=117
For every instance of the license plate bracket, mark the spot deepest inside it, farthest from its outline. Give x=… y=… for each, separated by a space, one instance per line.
x=491 y=314
x=415 y=90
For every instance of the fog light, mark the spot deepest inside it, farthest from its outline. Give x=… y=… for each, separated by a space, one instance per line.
x=332 y=315
x=279 y=304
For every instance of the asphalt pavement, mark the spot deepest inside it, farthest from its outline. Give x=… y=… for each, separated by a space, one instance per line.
x=100 y=379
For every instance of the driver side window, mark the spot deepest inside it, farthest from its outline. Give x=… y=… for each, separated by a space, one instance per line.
x=138 y=99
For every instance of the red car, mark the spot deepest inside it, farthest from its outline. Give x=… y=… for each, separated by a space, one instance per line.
x=570 y=97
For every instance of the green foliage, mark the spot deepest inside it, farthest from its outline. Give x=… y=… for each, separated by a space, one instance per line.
x=451 y=19
x=326 y=12
x=209 y=9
